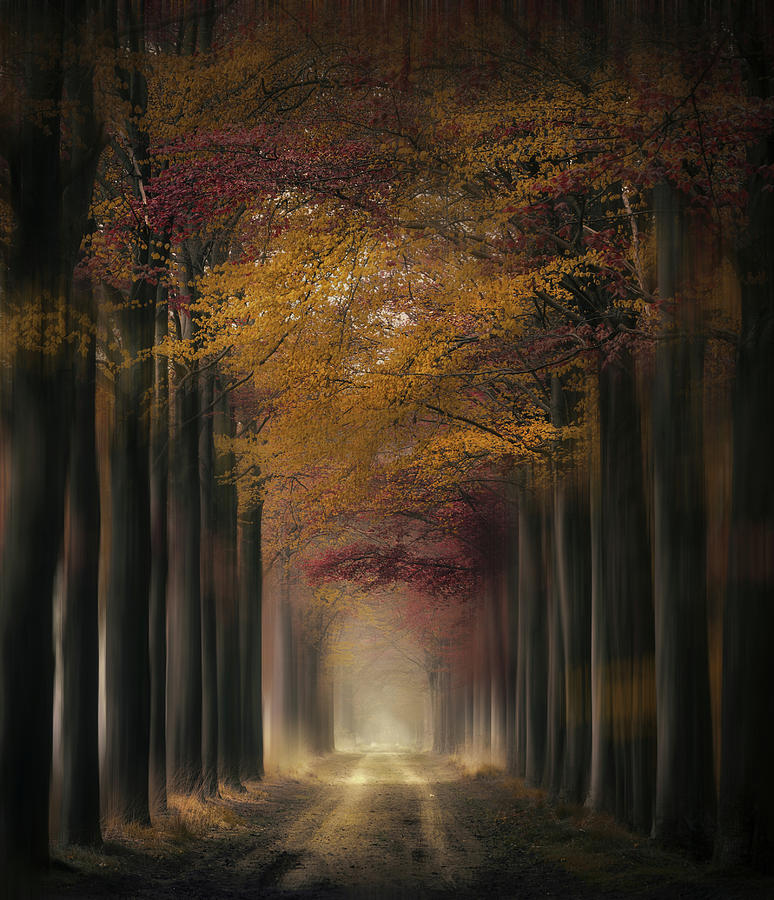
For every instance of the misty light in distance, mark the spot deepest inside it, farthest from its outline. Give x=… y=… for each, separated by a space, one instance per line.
x=381 y=692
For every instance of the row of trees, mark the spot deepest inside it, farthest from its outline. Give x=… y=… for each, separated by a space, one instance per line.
x=123 y=524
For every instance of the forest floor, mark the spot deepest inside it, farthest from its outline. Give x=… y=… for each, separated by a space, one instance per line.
x=377 y=825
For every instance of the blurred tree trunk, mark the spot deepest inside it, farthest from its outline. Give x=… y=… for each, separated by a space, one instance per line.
x=80 y=809
x=556 y=667
x=227 y=607
x=571 y=617
x=49 y=223
x=602 y=768
x=127 y=610
x=127 y=684
x=159 y=473
x=80 y=801
x=532 y=634
x=512 y=625
x=184 y=654
x=746 y=803
x=208 y=539
x=685 y=790
x=250 y=646
x=573 y=572
x=626 y=609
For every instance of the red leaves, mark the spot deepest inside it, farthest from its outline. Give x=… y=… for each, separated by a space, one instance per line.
x=210 y=173
x=374 y=565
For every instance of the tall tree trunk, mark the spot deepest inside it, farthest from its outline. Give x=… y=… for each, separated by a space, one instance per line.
x=48 y=226
x=685 y=790
x=207 y=576
x=80 y=810
x=556 y=664
x=602 y=771
x=159 y=443
x=573 y=569
x=532 y=635
x=512 y=621
x=626 y=593
x=30 y=552
x=250 y=648
x=127 y=684
x=227 y=608
x=184 y=654
x=746 y=803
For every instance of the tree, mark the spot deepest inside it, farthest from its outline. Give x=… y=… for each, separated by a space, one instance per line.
x=48 y=223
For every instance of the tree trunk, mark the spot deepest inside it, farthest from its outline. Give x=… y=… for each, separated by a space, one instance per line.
x=127 y=683
x=30 y=553
x=626 y=594
x=602 y=772
x=512 y=611
x=746 y=803
x=685 y=789
x=532 y=636
x=184 y=654
x=227 y=609
x=573 y=570
x=159 y=567
x=250 y=649
x=207 y=576
x=556 y=680
x=48 y=226
x=80 y=810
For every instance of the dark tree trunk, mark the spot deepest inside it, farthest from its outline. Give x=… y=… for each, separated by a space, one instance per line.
x=80 y=800
x=512 y=611
x=532 y=635
x=48 y=225
x=126 y=626
x=250 y=648
x=159 y=566
x=207 y=577
x=685 y=790
x=227 y=609
x=127 y=683
x=571 y=616
x=602 y=771
x=556 y=681
x=573 y=571
x=33 y=533
x=746 y=803
x=626 y=594
x=184 y=653
x=80 y=810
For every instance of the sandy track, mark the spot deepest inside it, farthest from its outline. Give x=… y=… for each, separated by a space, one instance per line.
x=378 y=829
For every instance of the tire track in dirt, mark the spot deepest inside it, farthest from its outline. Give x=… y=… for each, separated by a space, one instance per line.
x=385 y=834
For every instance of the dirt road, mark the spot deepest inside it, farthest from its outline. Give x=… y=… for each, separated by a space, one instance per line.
x=379 y=825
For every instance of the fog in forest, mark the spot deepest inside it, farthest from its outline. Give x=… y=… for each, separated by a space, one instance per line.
x=381 y=693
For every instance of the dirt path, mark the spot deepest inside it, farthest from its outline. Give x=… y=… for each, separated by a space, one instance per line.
x=378 y=825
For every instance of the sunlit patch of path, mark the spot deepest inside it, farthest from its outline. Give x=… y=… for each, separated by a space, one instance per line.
x=378 y=829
